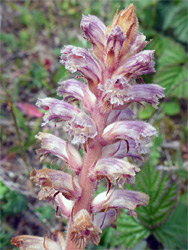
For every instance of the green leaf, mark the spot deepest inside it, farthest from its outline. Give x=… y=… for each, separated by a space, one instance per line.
x=174 y=56
x=176 y=19
x=171 y=69
x=167 y=77
x=159 y=42
x=171 y=108
x=146 y=113
x=129 y=232
x=173 y=233
x=162 y=193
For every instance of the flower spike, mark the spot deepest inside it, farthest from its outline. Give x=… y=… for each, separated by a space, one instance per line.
x=97 y=116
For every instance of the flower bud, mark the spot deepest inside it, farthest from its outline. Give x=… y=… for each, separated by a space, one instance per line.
x=115 y=42
x=128 y=23
x=94 y=32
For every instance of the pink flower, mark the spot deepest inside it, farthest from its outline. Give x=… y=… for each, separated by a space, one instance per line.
x=51 y=144
x=76 y=90
x=52 y=181
x=119 y=199
x=102 y=125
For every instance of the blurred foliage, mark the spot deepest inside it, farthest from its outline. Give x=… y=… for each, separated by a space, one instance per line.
x=46 y=212
x=33 y=33
x=11 y=202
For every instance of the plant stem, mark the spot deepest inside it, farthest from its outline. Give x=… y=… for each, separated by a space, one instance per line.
x=93 y=153
x=10 y=104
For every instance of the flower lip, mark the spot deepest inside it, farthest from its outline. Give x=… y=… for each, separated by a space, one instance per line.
x=84 y=230
x=139 y=64
x=52 y=181
x=79 y=59
x=113 y=169
x=51 y=144
x=128 y=129
x=120 y=150
x=79 y=91
x=94 y=29
x=56 y=109
x=24 y=242
x=119 y=199
x=81 y=128
x=64 y=204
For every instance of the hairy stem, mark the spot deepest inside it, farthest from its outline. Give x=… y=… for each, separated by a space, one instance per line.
x=90 y=157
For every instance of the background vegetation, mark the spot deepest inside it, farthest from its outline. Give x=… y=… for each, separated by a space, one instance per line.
x=32 y=34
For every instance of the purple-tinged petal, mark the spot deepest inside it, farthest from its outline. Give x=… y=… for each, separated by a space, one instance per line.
x=138 y=131
x=81 y=128
x=127 y=21
x=138 y=44
x=78 y=59
x=51 y=144
x=79 y=91
x=140 y=64
x=56 y=109
x=120 y=115
x=119 y=199
x=83 y=230
x=149 y=93
x=26 y=242
x=94 y=32
x=107 y=218
x=51 y=181
x=64 y=205
x=113 y=90
x=118 y=92
x=113 y=169
x=121 y=148
x=115 y=42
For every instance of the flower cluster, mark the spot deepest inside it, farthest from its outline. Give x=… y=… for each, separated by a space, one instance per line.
x=103 y=125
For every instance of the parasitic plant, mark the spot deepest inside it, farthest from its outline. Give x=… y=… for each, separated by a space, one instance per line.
x=103 y=125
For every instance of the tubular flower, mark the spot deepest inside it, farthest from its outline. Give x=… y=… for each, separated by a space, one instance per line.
x=52 y=181
x=103 y=126
x=26 y=242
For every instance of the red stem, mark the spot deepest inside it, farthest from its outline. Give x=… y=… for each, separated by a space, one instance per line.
x=91 y=156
